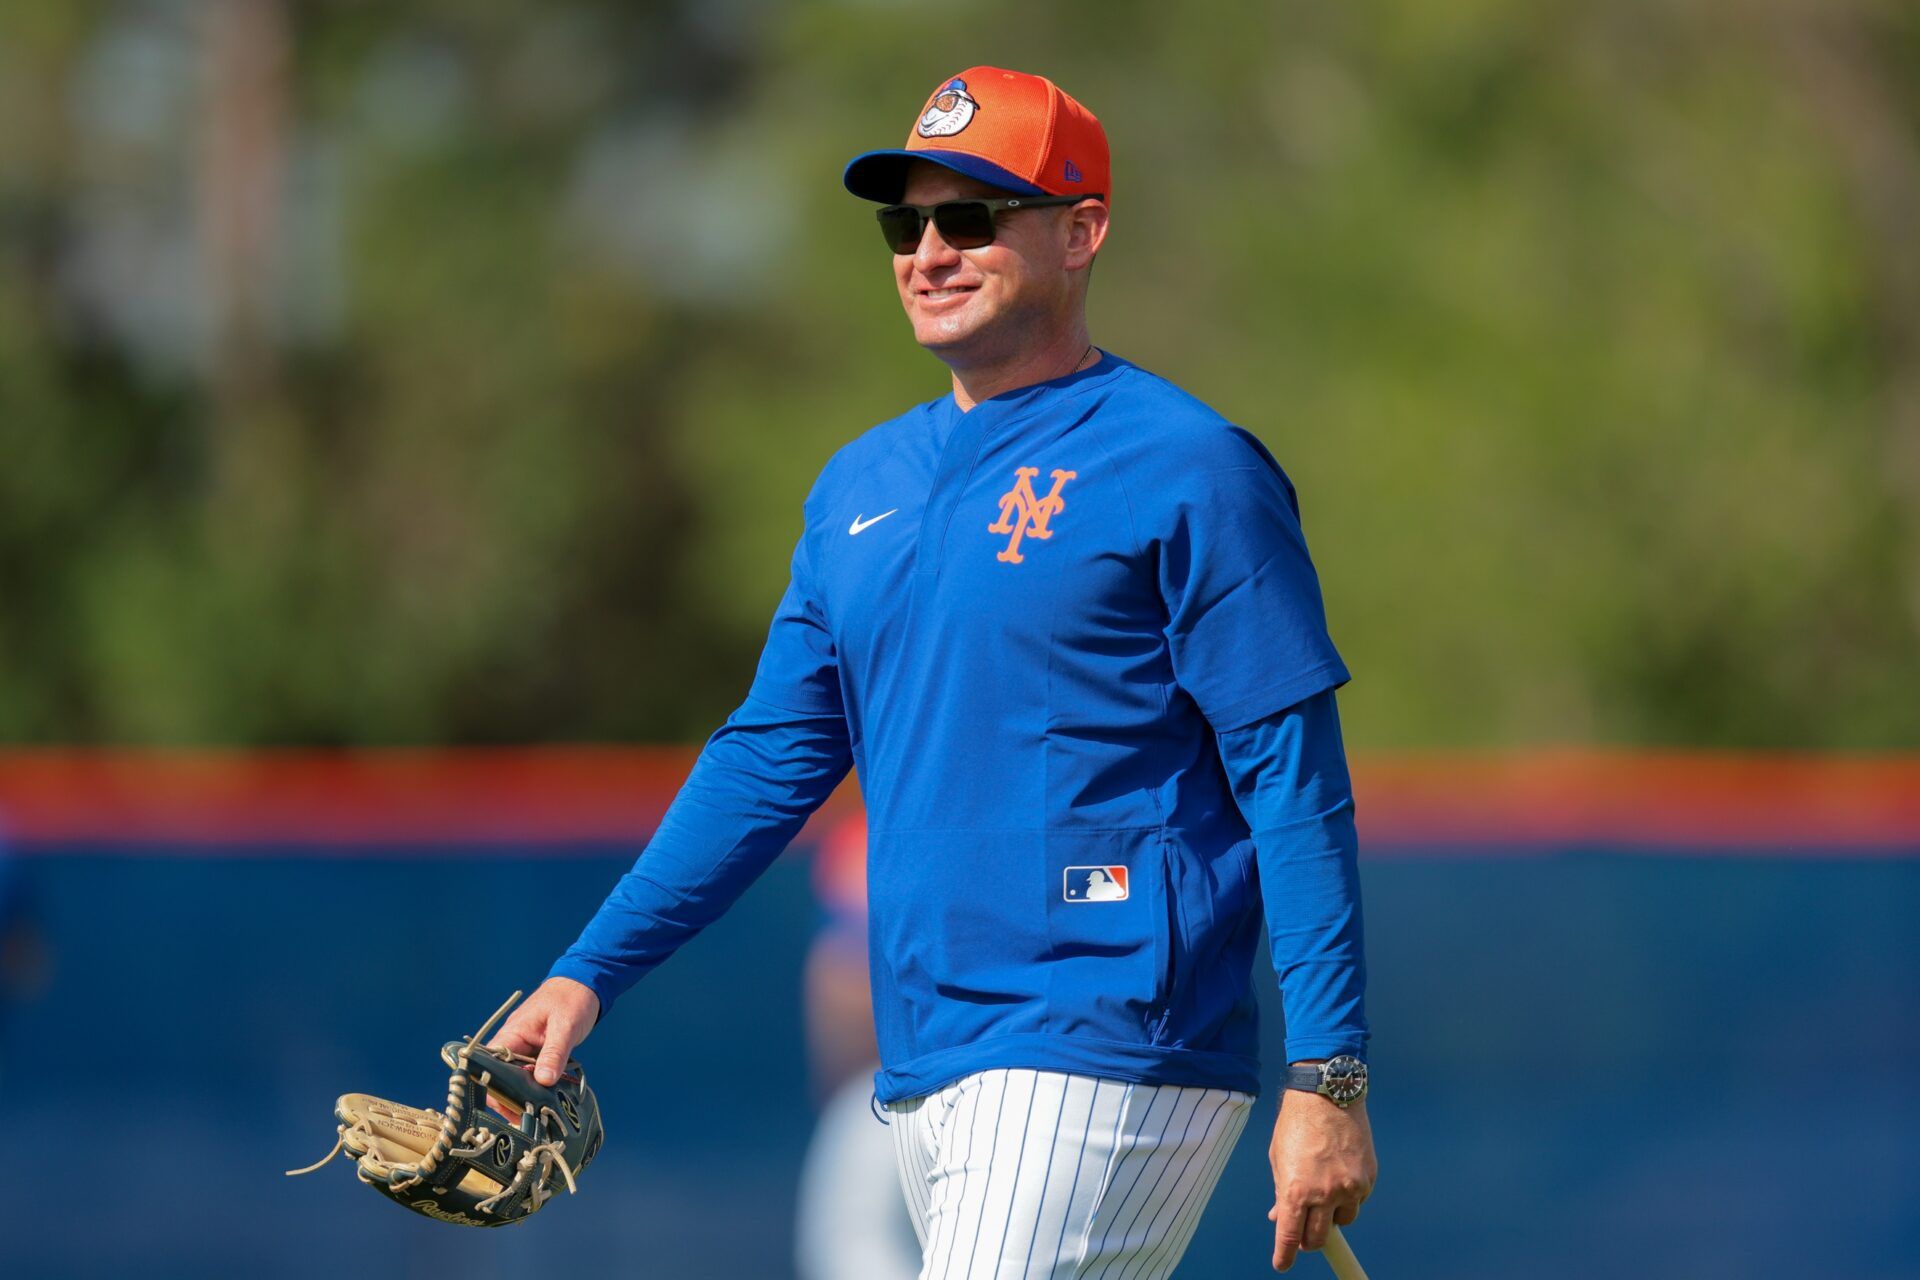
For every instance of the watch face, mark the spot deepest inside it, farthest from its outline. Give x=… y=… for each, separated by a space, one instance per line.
x=1344 y=1079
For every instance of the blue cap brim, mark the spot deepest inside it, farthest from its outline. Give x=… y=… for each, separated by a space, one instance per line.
x=881 y=176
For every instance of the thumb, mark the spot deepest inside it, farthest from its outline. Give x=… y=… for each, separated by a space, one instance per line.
x=553 y=1054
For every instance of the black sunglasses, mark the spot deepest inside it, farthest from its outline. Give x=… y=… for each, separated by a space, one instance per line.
x=964 y=224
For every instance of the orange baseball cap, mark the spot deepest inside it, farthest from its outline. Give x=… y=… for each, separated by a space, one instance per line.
x=1016 y=131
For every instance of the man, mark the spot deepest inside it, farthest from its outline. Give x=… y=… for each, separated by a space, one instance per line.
x=1063 y=622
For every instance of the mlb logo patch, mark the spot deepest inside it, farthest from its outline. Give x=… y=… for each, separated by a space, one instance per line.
x=1096 y=884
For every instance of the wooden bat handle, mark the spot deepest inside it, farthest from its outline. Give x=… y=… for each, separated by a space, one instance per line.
x=1340 y=1257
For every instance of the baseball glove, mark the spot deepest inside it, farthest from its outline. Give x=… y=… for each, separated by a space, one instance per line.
x=498 y=1151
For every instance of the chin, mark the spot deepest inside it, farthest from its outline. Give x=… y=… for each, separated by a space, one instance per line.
x=946 y=325
x=949 y=333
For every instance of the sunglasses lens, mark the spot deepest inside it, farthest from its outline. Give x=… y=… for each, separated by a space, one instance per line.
x=901 y=226
x=964 y=224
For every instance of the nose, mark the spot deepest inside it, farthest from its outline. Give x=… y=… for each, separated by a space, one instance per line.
x=933 y=251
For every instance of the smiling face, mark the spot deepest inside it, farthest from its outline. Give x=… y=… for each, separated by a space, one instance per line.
x=984 y=306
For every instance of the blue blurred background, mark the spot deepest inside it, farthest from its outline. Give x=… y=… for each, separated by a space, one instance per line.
x=1592 y=1063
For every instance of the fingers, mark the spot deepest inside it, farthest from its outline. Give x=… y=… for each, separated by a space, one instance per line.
x=553 y=1053
x=522 y=1032
x=549 y=1026
x=535 y=1030
x=1288 y=1226
x=1303 y=1228
x=1314 y=1234
x=512 y=1038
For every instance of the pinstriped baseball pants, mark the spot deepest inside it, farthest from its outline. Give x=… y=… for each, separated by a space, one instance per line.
x=1039 y=1175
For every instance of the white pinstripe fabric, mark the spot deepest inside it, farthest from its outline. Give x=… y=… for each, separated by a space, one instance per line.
x=1038 y=1175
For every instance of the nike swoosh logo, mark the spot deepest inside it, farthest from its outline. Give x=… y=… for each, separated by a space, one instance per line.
x=859 y=524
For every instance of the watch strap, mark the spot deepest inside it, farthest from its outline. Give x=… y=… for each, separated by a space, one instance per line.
x=1304 y=1076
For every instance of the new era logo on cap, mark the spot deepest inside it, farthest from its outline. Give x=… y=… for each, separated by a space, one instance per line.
x=1095 y=884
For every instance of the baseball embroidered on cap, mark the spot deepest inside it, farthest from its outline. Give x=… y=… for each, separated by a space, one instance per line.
x=950 y=111
x=1095 y=884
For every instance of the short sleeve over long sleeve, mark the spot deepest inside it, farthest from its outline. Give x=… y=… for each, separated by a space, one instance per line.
x=1245 y=623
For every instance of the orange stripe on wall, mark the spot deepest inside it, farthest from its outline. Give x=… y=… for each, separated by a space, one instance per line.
x=571 y=794
x=1692 y=800
x=339 y=798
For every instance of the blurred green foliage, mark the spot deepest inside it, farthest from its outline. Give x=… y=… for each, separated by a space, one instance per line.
x=440 y=371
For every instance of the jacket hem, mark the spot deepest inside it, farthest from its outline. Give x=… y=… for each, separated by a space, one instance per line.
x=1073 y=1055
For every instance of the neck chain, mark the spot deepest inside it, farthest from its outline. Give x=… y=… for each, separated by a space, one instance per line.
x=1077 y=365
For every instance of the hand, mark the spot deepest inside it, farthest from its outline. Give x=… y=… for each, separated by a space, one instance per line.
x=549 y=1024
x=1323 y=1170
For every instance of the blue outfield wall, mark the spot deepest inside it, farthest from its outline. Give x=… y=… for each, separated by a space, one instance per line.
x=1588 y=1064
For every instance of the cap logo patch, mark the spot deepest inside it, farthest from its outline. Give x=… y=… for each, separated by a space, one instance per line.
x=1073 y=172
x=1096 y=884
x=950 y=111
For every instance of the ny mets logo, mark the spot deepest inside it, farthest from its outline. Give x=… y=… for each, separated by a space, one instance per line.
x=1034 y=513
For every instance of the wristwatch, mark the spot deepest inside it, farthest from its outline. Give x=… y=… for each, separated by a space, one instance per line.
x=1341 y=1080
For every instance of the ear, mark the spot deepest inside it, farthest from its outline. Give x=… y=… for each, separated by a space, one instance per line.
x=1086 y=232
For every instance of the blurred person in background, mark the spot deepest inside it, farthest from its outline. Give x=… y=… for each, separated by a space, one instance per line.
x=1093 y=718
x=23 y=954
x=850 y=1223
